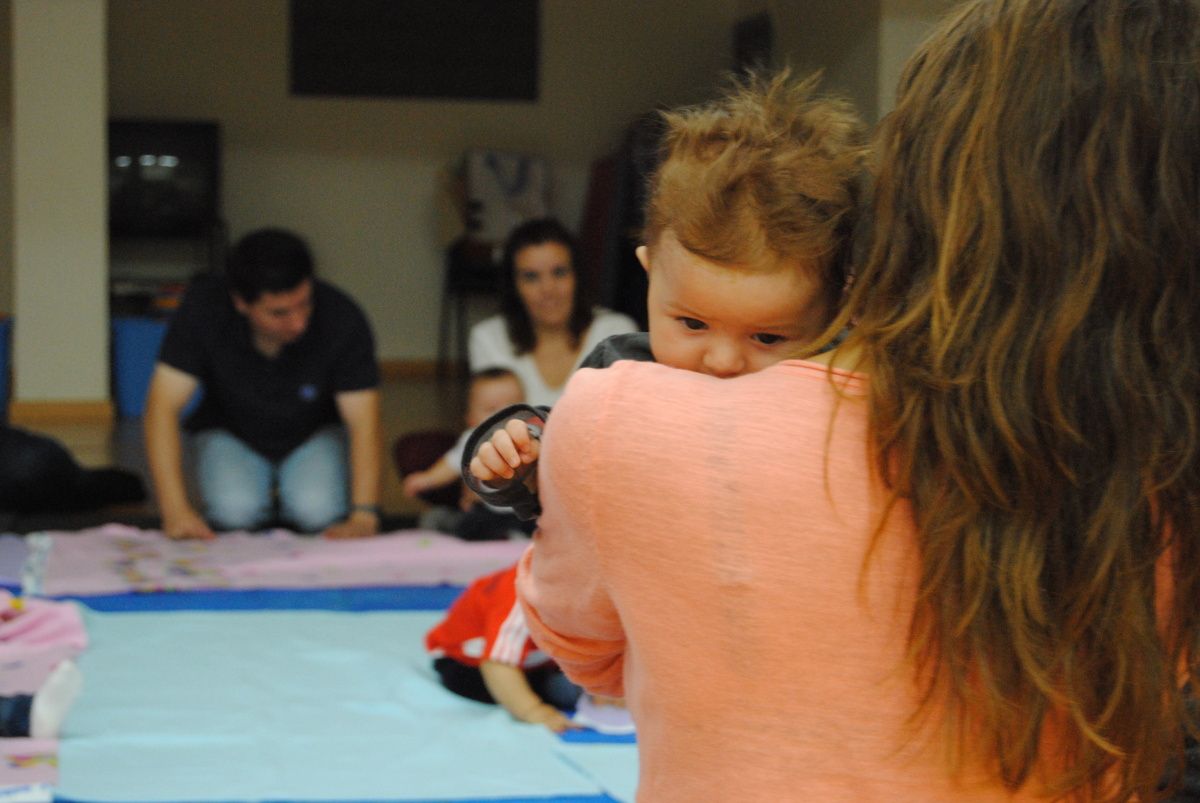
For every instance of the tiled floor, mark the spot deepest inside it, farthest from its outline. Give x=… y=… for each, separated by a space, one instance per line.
x=409 y=404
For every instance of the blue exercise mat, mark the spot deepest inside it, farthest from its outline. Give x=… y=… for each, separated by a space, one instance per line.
x=369 y=598
x=302 y=705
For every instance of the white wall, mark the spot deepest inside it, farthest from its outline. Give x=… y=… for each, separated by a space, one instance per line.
x=904 y=24
x=841 y=37
x=360 y=178
x=862 y=45
x=5 y=158
x=59 y=232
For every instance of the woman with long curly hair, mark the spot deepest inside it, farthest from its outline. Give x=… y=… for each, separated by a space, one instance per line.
x=957 y=558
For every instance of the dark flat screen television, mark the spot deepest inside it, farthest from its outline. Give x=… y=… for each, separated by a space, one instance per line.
x=163 y=177
x=459 y=49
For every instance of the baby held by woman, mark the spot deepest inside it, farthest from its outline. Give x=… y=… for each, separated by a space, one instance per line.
x=749 y=210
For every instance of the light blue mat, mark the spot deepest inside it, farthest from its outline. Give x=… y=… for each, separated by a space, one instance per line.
x=302 y=706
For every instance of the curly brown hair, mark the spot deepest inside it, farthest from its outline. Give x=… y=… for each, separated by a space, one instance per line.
x=1028 y=308
x=767 y=173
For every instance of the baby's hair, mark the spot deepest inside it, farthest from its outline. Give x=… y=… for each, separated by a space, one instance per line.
x=768 y=172
x=493 y=372
x=496 y=372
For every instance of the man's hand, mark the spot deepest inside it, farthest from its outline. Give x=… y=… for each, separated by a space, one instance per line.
x=359 y=524
x=185 y=523
x=506 y=451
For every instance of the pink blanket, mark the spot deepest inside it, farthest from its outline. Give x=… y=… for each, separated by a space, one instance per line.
x=115 y=559
x=35 y=635
x=28 y=769
x=34 y=638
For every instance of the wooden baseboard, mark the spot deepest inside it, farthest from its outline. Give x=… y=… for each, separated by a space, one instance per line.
x=100 y=411
x=408 y=369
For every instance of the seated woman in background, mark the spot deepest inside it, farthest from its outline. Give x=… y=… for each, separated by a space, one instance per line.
x=546 y=324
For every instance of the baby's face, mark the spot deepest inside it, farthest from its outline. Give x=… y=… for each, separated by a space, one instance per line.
x=721 y=321
x=490 y=396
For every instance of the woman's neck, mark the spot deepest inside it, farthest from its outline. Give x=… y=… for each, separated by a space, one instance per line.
x=551 y=334
x=555 y=354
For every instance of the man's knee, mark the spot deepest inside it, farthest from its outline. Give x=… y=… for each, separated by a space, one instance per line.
x=237 y=509
x=234 y=481
x=313 y=490
x=313 y=511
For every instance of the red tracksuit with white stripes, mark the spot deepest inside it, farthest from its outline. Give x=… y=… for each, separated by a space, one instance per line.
x=486 y=623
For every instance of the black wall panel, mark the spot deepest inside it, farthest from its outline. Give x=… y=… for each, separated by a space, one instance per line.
x=465 y=49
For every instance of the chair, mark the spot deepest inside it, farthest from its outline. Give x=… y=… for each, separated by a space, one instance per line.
x=417 y=451
x=470 y=271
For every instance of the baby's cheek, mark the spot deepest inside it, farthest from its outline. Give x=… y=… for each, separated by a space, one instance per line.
x=769 y=358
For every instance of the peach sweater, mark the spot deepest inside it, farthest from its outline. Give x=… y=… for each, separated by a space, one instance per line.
x=701 y=552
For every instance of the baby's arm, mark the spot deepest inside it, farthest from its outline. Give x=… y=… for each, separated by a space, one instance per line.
x=508 y=449
x=508 y=685
x=439 y=474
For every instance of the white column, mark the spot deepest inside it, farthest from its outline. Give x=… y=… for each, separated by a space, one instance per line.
x=60 y=240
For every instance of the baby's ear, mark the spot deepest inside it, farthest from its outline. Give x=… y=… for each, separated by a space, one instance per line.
x=643 y=255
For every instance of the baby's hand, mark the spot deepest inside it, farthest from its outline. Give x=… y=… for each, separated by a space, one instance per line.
x=467 y=499
x=415 y=483
x=549 y=716
x=508 y=450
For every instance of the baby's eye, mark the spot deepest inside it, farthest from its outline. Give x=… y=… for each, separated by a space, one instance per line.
x=768 y=339
x=692 y=323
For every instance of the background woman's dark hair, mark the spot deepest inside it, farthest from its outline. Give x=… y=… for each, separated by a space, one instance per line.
x=516 y=317
x=1028 y=307
x=268 y=261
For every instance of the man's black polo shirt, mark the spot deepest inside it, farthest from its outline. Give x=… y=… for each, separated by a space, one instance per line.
x=272 y=404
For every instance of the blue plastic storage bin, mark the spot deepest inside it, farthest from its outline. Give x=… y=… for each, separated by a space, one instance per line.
x=135 y=343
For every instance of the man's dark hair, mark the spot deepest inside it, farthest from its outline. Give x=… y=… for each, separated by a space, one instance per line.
x=268 y=261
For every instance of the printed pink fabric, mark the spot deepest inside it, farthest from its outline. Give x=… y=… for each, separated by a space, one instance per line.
x=28 y=767
x=34 y=638
x=116 y=559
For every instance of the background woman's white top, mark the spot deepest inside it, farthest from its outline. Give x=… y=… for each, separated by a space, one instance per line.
x=489 y=346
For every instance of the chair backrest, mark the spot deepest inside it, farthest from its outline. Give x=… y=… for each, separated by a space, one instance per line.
x=417 y=451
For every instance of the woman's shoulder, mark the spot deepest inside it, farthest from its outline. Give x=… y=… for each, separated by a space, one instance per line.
x=647 y=385
x=489 y=345
x=616 y=323
x=490 y=326
x=651 y=409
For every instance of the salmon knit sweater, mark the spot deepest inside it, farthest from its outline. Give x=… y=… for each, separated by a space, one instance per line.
x=702 y=552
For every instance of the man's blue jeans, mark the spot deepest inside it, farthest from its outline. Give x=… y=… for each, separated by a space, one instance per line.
x=238 y=486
